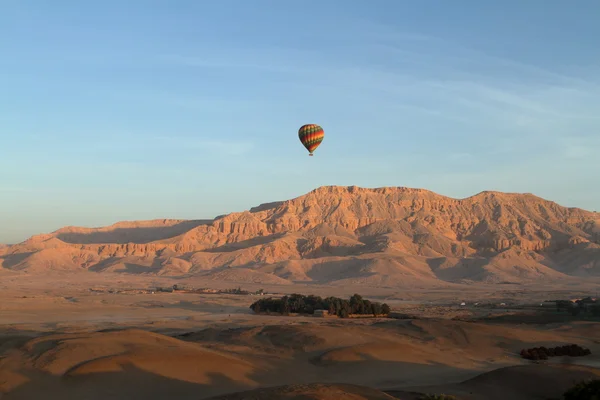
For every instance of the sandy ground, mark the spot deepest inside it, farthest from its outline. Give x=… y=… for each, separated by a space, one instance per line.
x=61 y=340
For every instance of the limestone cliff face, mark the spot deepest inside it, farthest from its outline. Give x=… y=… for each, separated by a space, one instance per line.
x=412 y=226
x=487 y=220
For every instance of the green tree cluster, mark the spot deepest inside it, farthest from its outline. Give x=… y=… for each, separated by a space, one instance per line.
x=300 y=304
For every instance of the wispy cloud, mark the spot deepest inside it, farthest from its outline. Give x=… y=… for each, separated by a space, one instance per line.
x=230 y=147
x=219 y=62
x=179 y=100
x=393 y=39
x=460 y=156
x=270 y=60
x=575 y=151
x=584 y=148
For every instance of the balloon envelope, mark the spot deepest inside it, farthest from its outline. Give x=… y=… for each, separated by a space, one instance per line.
x=311 y=136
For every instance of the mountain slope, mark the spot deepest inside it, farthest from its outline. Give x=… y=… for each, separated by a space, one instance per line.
x=384 y=236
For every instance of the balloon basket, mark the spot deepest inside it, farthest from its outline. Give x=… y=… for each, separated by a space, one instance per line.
x=310 y=154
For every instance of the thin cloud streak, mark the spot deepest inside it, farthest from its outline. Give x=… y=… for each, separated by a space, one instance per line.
x=271 y=60
x=214 y=147
x=470 y=53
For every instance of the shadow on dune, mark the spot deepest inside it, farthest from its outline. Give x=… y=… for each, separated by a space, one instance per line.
x=13 y=338
x=35 y=365
x=527 y=382
x=518 y=383
x=131 y=235
x=297 y=357
x=130 y=383
x=529 y=319
x=522 y=382
x=315 y=391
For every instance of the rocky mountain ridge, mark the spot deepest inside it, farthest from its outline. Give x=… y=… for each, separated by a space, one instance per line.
x=383 y=236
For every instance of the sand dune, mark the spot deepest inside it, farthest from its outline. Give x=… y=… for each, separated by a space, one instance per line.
x=523 y=382
x=314 y=391
x=343 y=236
x=81 y=363
x=318 y=359
x=519 y=383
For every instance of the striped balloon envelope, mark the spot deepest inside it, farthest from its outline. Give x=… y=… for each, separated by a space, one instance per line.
x=311 y=136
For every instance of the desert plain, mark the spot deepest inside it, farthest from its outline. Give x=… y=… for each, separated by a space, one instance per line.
x=90 y=313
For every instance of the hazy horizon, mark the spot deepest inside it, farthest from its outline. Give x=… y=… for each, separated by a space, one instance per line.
x=127 y=111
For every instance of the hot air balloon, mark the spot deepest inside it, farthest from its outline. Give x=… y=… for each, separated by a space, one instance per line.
x=311 y=136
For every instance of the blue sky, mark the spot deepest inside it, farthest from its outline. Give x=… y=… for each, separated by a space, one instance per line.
x=123 y=110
